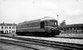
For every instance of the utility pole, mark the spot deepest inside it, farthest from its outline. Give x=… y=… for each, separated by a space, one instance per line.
x=58 y=19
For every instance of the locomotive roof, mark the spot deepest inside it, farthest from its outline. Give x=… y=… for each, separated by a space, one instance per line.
x=38 y=20
x=25 y=22
x=47 y=18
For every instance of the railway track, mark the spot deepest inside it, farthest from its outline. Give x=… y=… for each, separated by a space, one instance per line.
x=53 y=44
x=69 y=37
x=54 y=37
x=26 y=44
x=17 y=43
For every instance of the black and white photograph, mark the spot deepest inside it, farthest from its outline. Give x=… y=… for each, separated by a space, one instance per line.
x=41 y=24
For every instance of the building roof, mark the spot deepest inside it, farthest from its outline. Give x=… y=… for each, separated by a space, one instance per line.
x=73 y=25
x=7 y=24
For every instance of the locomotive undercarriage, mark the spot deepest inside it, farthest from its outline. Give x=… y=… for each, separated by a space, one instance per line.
x=44 y=34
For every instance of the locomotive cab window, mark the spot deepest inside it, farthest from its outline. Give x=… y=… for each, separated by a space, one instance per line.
x=42 y=24
x=52 y=23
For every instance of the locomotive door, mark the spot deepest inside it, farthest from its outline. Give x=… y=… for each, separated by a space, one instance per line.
x=42 y=24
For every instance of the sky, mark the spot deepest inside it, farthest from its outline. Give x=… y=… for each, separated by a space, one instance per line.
x=16 y=11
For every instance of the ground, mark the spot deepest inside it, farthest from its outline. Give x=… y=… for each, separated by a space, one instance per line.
x=4 y=46
x=71 y=34
x=11 y=47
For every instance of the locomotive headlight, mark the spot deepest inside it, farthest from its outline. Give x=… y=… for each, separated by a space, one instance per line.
x=52 y=29
x=55 y=27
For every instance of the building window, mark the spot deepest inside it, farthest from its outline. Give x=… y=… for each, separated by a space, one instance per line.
x=2 y=27
x=6 y=31
x=13 y=31
x=9 y=27
x=9 y=31
x=6 y=27
x=1 y=32
x=13 y=27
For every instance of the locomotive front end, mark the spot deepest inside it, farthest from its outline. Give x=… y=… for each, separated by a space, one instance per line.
x=52 y=31
x=51 y=26
x=55 y=31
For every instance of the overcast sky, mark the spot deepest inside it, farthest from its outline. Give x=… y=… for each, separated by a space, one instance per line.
x=16 y=11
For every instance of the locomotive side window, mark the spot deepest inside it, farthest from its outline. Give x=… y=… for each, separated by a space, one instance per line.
x=42 y=24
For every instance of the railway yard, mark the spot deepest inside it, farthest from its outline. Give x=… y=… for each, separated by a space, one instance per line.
x=41 y=34
x=41 y=25
x=41 y=43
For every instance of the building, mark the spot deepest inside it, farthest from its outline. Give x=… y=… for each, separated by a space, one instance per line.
x=73 y=28
x=63 y=23
x=7 y=28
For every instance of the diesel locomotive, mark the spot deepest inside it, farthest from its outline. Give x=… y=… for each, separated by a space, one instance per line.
x=40 y=27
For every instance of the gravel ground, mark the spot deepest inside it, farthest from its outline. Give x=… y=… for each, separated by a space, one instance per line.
x=71 y=34
x=11 y=47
